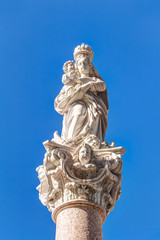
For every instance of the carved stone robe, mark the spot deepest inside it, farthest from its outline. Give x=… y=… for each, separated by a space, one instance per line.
x=84 y=112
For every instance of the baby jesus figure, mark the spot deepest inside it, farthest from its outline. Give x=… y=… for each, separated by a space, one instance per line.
x=69 y=78
x=71 y=83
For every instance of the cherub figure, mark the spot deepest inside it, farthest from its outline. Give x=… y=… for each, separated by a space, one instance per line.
x=85 y=154
x=71 y=85
x=69 y=78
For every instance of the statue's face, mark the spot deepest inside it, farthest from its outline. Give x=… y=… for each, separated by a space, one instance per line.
x=85 y=154
x=84 y=66
x=70 y=67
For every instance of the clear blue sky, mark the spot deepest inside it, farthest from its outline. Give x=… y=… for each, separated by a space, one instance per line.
x=36 y=38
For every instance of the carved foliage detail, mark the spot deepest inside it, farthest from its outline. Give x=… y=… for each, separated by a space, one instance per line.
x=80 y=173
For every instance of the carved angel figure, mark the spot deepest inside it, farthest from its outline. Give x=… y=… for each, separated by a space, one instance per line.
x=69 y=78
x=84 y=106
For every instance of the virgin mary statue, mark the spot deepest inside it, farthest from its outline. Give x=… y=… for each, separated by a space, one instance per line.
x=84 y=104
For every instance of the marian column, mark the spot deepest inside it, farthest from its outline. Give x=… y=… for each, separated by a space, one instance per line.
x=80 y=179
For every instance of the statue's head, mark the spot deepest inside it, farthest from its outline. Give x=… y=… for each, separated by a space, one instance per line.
x=84 y=65
x=68 y=66
x=85 y=154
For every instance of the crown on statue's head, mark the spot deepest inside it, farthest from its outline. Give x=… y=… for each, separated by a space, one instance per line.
x=83 y=50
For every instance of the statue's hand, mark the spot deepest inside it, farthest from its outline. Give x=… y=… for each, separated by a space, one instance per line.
x=85 y=87
x=85 y=80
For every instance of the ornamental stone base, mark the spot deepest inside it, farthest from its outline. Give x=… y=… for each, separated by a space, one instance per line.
x=80 y=185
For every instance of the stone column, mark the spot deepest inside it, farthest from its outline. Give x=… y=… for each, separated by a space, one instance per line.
x=79 y=220
x=80 y=189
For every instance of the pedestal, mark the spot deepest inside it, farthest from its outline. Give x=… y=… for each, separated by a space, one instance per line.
x=80 y=190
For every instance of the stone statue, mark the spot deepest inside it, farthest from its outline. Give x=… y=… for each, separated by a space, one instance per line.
x=83 y=100
x=79 y=166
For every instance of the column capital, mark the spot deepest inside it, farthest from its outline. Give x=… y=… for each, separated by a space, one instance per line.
x=88 y=174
